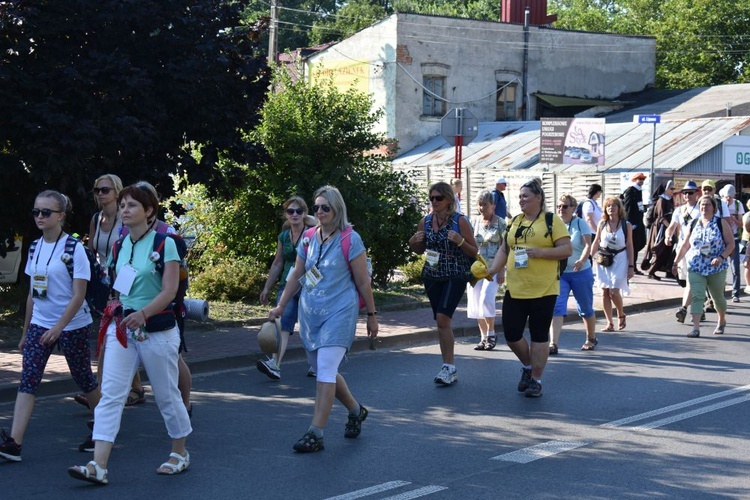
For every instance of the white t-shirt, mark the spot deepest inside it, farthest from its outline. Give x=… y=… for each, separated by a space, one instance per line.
x=591 y=207
x=47 y=311
x=684 y=215
x=735 y=208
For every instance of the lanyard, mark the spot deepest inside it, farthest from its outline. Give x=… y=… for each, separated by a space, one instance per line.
x=320 y=252
x=521 y=231
x=132 y=250
x=99 y=231
x=36 y=264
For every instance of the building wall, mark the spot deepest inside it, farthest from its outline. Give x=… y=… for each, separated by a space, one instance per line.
x=474 y=56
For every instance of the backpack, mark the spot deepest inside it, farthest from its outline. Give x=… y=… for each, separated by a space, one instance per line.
x=160 y=238
x=579 y=209
x=548 y=218
x=346 y=244
x=98 y=287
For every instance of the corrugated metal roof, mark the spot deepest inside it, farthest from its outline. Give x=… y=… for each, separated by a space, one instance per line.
x=502 y=146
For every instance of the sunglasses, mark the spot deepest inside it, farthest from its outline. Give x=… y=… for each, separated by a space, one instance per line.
x=707 y=188
x=688 y=193
x=564 y=207
x=325 y=208
x=438 y=197
x=103 y=190
x=45 y=212
x=298 y=211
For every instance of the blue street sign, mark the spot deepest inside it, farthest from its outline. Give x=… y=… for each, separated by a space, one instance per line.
x=647 y=118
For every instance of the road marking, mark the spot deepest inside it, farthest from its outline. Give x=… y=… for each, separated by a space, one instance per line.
x=543 y=450
x=421 y=492
x=371 y=490
x=551 y=448
x=678 y=406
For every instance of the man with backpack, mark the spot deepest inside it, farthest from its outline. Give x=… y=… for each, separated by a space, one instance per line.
x=589 y=210
x=501 y=205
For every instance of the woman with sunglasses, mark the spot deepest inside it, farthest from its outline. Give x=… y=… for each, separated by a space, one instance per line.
x=142 y=329
x=577 y=277
x=447 y=240
x=328 y=309
x=56 y=315
x=488 y=232
x=615 y=235
x=105 y=224
x=295 y=223
x=534 y=245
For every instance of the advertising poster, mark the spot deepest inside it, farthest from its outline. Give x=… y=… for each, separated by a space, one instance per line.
x=572 y=141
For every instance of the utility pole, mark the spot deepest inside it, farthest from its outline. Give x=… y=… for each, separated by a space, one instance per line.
x=524 y=92
x=273 y=32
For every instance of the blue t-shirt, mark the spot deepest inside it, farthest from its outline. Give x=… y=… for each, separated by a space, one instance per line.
x=501 y=206
x=147 y=284
x=577 y=229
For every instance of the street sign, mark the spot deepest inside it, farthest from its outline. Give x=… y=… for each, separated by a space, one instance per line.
x=646 y=118
x=459 y=122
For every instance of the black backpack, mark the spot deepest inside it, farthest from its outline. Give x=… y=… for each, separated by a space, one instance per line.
x=579 y=209
x=98 y=287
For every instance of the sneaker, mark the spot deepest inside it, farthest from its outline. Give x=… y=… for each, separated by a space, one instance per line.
x=681 y=314
x=735 y=299
x=309 y=443
x=87 y=446
x=553 y=349
x=311 y=373
x=269 y=368
x=9 y=449
x=534 y=390
x=354 y=425
x=525 y=379
x=445 y=376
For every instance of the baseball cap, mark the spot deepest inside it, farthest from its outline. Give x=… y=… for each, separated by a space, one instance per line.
x=501 y=180
x=708 y=183
x=728 y=190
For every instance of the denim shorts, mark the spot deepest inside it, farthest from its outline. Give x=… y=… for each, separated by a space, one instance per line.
x=581 y=283
x=289 y=317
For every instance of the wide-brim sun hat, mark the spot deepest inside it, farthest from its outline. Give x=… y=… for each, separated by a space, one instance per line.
x=269 y=336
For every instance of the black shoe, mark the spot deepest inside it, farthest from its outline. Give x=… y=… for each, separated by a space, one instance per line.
x=9 y=449
x=638 y=272
x=87 y=446
x=354 y=425
x=309 y=443
x=526 y=379
x=552 y=349
x=534 y=390
x=654 y=277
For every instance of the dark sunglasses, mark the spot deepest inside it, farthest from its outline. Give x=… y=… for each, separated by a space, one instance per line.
x=325 y=208
x=708 y=188
x=688 y=192
x=103 y=190
x=438 y=197
x=564 y=207
x=298 y=211
x=45 y=212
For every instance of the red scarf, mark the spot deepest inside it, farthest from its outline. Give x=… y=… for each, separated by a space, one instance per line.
x=113 y=311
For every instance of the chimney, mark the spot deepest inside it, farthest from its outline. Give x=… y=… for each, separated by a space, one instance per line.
x=512 y=11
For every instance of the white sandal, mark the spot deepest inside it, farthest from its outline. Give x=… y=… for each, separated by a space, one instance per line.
x=181 y=465
x=83 y=473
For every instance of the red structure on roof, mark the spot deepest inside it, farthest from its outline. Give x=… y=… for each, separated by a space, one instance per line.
x=512 y=11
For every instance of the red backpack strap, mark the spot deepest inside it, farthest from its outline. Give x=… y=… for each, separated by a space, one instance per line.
x=309 y=234
x=346 y=244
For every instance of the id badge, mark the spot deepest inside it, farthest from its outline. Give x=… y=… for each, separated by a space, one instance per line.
x=521 y=258
x=640 y=206
x=125 y=279
x=39 y=286
x=705 y=249
x=312 y=278
x=432 y=257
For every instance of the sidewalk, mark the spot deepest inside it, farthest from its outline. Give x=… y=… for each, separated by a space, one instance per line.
x=229 y=348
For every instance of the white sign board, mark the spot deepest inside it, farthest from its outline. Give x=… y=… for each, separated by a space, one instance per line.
x=736 y=155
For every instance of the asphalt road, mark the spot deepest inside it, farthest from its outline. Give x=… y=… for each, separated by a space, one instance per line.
x=649 y=414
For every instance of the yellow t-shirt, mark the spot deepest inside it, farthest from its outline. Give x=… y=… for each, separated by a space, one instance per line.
x=539 y=279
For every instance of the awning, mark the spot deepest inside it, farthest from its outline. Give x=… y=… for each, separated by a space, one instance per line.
x=564 y=102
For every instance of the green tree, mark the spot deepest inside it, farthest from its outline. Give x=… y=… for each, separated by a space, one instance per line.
x=317 y=135
x=354 y=16
x=95 y=86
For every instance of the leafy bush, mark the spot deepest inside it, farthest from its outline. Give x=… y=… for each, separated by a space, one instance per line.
x=413 y=270
x=236 y=280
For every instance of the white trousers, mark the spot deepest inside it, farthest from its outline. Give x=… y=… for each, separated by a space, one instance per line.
x=159 y=354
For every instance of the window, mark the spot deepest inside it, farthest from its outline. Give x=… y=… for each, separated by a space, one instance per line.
x=506 y=102
x=431 y=105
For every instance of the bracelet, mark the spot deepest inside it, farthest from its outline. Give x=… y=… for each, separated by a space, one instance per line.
x=463 y=240
x=631 y=266
x=375 y=313
x=145 y=318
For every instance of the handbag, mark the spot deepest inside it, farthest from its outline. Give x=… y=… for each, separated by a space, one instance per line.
x=159 y=322
x=604 y=257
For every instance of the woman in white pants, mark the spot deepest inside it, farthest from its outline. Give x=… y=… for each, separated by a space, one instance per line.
x=144 y=331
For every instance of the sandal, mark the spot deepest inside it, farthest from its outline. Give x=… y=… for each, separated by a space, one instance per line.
x=491 y=342
x=82 y=400
x=309 y=443
x=83 y=473
x=481 y=346
x=170 y=469
x=621 y=323
x=354 y=425
x=720 y=329
x=140 y=397
x=609 y=328
x=694 y=334
x=589 y=345
x=553 y=349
